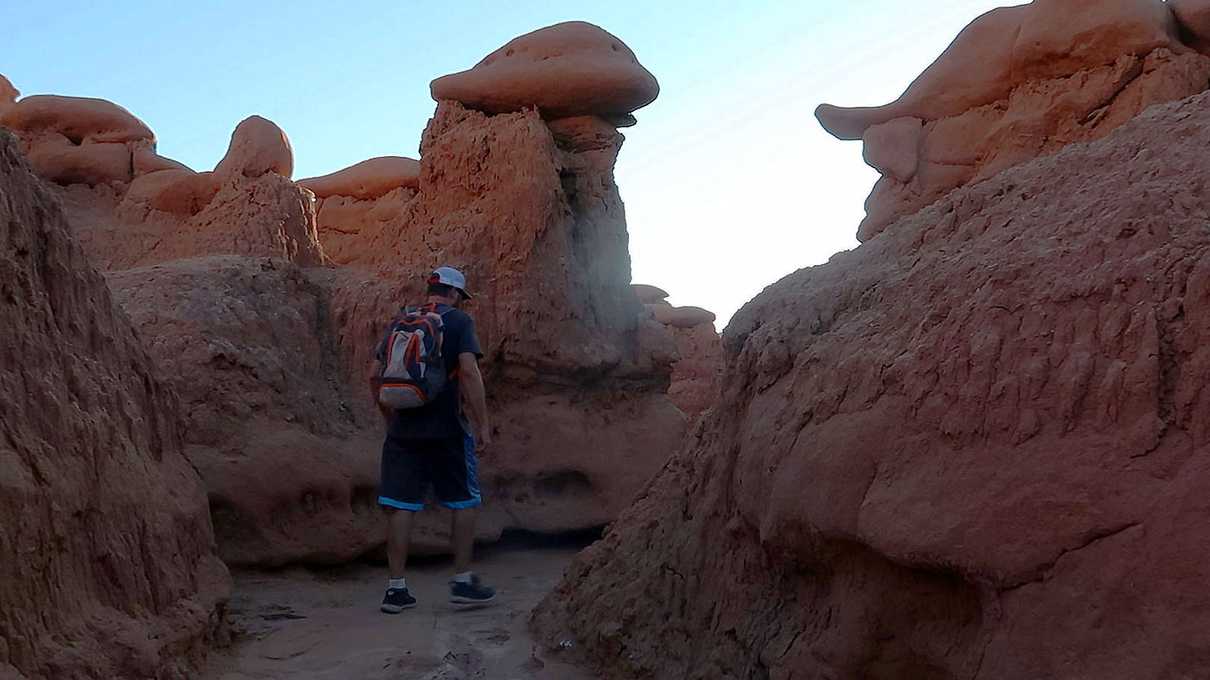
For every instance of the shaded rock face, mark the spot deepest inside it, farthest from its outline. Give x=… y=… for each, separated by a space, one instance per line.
x=1018 y=83
x=108 y=566
x=975 y=447
x=698 y=370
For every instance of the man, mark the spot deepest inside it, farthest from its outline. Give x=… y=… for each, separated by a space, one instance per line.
x=432 y=444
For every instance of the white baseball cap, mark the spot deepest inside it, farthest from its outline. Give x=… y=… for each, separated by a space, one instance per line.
x=450 y=277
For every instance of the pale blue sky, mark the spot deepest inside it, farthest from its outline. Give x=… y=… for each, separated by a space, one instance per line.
x=729 y=182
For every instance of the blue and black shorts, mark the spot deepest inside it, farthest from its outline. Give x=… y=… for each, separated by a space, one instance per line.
x=410 y=466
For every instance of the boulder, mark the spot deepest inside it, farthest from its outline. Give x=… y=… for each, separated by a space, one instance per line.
x=57 y=160
x=368 y=179
x=80 y=119
x=108 y=568
x=681 y=317
x=257 y=147
x=649 y=295
x=976 y=446
x=569 y=69
x=180 y=192
x=1194 y=18
x=344 y=222
x=1047 y=74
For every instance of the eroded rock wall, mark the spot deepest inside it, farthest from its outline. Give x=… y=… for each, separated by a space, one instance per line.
x=107 y=562
x=975 y=447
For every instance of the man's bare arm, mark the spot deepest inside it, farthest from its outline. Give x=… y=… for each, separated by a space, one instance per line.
x=373 y=380
x=476 y=397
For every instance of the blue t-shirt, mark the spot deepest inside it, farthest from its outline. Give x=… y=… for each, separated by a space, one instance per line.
x=442 y=417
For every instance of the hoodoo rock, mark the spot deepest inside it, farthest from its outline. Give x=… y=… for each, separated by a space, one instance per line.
x=131 y=207
x=269 y=351
x=698 y=367
x=1018 y=83
x=368 y=179
x=977 y=446
x=569 y=69
x=108 y=566
x=257 y=146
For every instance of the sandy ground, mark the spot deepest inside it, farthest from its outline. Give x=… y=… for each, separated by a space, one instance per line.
x=326 y=624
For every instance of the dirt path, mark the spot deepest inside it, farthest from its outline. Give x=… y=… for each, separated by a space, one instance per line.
x=326 y=625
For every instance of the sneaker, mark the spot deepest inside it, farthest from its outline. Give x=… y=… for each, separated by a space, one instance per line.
x=397 y=600
x=472 y=593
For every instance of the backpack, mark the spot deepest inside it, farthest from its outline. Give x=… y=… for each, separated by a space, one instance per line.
x=413 y=369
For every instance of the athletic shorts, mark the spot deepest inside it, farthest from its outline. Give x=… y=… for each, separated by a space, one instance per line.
x=410 y=466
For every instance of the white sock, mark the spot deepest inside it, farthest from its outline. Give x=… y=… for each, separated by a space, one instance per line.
x=396 y=584
x=464 y=577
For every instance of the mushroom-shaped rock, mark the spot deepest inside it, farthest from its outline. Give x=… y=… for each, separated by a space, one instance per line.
x=1193 y=16
x=569 y=69
x=80 y=119
x=368 y=179
x=1009 y=46
x=681 y=317
x=8 y=93
x=648 y=294
x=257 y=146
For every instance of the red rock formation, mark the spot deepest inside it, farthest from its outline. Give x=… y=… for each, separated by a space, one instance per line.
x=1194 y=18
x=269 y=352
x=649 y=295
x=8 y=94
x=368 y=179
x=975 y=447
x=257 y=146
x=565 y=70
x=698 y=369
x=360 y=198
x=1018 y=83
x=108 y=566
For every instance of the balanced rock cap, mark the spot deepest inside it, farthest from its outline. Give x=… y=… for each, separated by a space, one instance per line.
x=80 y=119
x=569 y=69
x=368 y=179
x=1009 y=46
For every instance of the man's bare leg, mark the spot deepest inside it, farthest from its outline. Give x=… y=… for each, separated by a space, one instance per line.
x=399 y=534
x=463 y=530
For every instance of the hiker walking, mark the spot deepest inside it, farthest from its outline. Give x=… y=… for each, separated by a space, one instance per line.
x=424 y=369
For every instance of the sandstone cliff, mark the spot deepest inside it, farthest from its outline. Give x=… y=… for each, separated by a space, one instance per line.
x=975 y=447
x=107 y=562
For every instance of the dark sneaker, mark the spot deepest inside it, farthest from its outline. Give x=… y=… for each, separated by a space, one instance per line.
x=397 y=600
x=473 y=593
